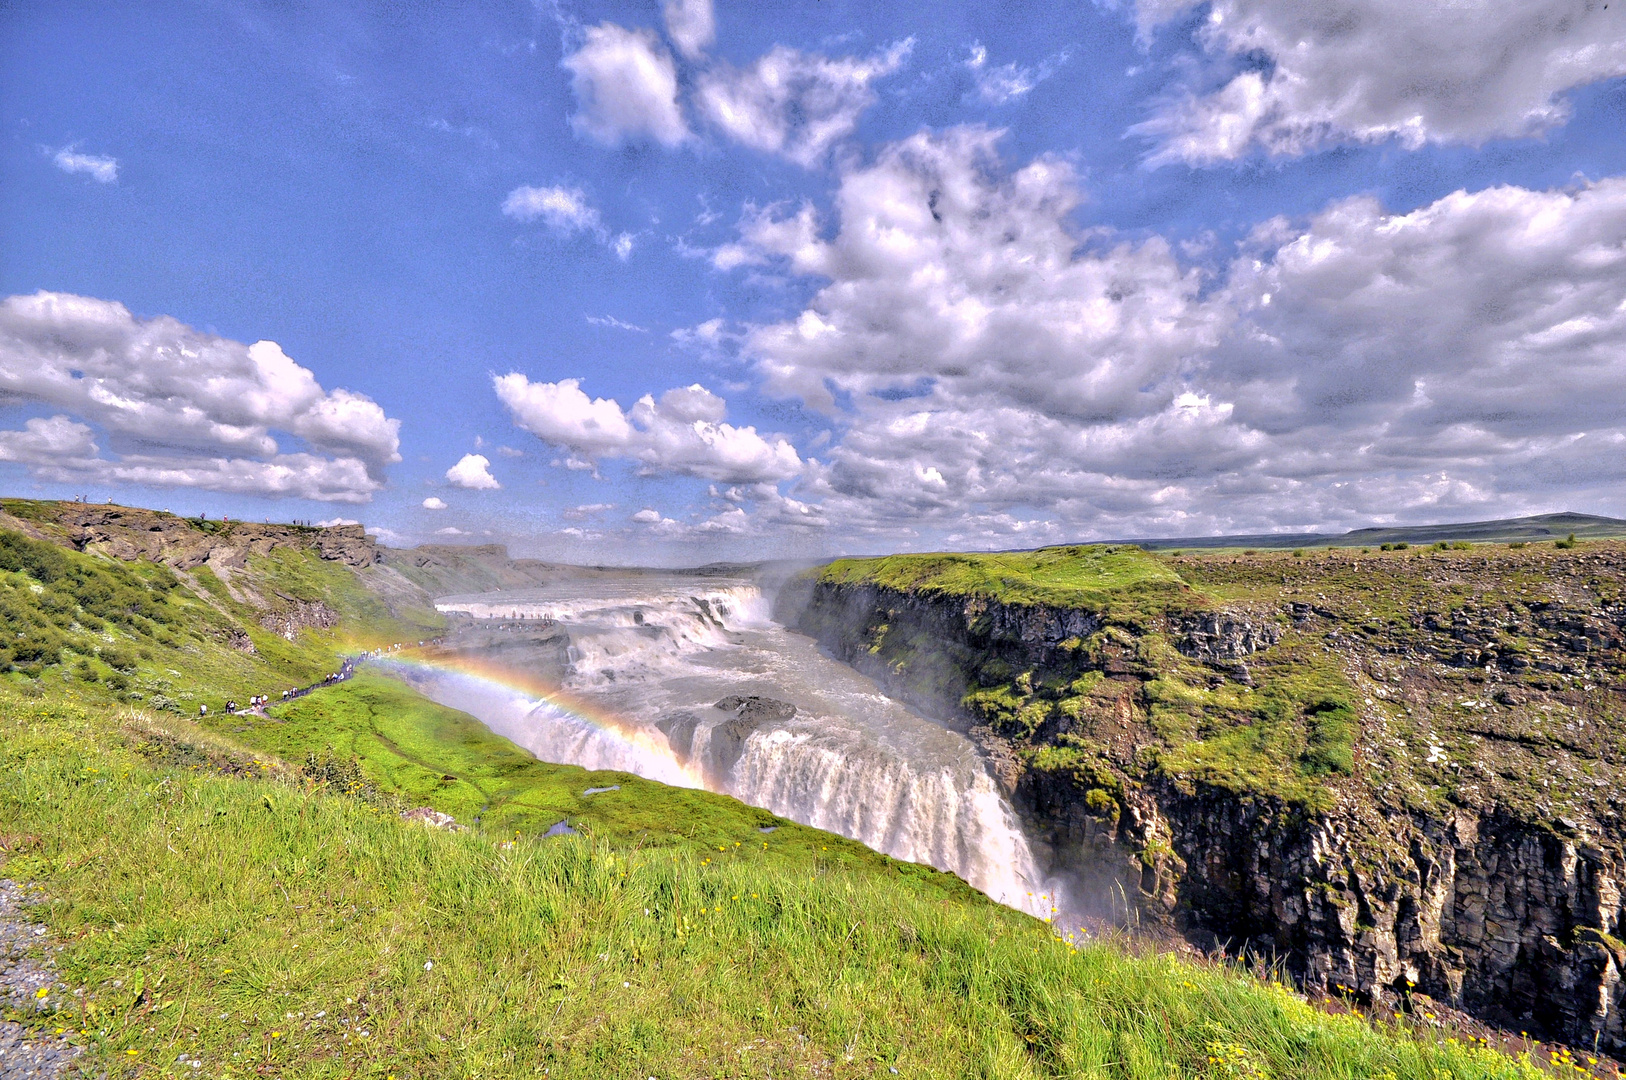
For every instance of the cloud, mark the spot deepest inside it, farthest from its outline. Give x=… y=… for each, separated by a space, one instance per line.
x=183 y=408
x=450 y=530
x=433 y=503
x=1370 y=70
x=473 y=471
x=1007 y=82
x=562 y=208
x=792 y=103
x=647 y=516
x=626 y=87
x=995 y=376
x=612 y=321
x=586 y=510
x=691 y=26
x=55 y=442
x=947 y=276
x=102 y=169
x=683 y=432
x=1474 y=330
x=567 y=211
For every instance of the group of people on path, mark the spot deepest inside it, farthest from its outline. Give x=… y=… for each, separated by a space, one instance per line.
x=259 y=701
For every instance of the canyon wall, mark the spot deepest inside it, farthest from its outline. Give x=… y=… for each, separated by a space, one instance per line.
x=1399 y=779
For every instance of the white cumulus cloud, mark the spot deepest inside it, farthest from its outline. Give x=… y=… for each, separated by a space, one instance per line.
x=473 y=471
x=182 y=408
x=1479 y=333
x=100 y=168
x=946 y=273
x=995 y=376
x=793 y=103
x=691 y=26
x=626 y=87
x=565 y=209
x=434 y=503
x=682 y=432
x=1420 y=71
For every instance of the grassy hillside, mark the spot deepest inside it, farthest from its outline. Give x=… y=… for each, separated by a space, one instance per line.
x=267 y=927
x=425 y=754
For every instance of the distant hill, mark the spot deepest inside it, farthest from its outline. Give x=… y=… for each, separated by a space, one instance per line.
x=1506 y=530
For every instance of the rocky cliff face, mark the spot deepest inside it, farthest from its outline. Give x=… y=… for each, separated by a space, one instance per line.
x=1400 y=776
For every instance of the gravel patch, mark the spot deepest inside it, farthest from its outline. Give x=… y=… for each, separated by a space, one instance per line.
x=25 y=970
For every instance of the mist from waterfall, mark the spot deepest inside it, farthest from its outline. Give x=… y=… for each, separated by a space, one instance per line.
x=657 y=652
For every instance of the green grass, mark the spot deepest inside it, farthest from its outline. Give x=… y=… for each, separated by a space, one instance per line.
x=426 y=754
x=1091 y=577
x=268 y=928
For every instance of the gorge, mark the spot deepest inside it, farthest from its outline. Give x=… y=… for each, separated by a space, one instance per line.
x=1394 y=774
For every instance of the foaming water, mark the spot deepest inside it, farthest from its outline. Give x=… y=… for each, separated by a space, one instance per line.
x=641 y=663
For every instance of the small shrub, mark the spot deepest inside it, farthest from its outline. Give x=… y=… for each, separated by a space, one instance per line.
x=115 y=657
x=1298 y=553
x=345 y=777
x=1402 y=546
x=1567 y=542
x=1517 y=544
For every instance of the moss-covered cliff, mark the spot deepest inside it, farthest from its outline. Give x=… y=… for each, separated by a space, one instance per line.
x=1399 y=772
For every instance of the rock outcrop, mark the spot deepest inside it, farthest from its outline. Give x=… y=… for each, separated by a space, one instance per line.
x=131 y=533
x=1468 y=845
x=725 y=738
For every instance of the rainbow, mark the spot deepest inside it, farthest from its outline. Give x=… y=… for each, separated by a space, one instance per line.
x=461 y=678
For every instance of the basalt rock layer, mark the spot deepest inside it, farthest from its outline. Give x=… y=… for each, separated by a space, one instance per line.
x=1396 y=774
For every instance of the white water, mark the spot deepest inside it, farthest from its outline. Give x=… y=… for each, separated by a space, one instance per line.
x=851 y=760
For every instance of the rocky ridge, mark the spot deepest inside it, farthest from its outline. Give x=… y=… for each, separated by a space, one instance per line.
x=1397 y=774
x=132 y=533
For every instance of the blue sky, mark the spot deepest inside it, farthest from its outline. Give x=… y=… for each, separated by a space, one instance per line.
x=916 y=276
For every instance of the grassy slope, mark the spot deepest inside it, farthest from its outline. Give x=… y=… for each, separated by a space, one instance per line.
x=431 y=755
x=264 y=923
x=263 y=927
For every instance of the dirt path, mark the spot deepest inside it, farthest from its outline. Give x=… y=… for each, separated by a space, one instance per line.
x=22 y=976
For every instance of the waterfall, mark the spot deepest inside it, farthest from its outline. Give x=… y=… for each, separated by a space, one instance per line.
x=691 y=682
